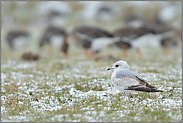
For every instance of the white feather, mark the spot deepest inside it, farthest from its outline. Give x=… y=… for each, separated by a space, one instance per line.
x=100 y=43
x=20 y=42
x=57 y=41
x=83 y=36
x=148 y=40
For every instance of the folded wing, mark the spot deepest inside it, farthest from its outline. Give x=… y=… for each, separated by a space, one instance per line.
x=139 y=85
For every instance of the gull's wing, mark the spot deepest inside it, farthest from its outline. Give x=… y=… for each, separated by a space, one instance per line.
x=131 y=80
x=127 y=73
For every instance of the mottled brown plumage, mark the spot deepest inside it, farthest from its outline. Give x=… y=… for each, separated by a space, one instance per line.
x=49 y=32
x=11 y=35
x=54 y=31
x=132 y=32
x=143 y=86
x=82 y=36
x=93 y=32
x=30 y=57
x=127 y=34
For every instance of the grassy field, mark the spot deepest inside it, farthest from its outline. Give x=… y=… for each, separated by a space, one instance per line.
x=55 y=89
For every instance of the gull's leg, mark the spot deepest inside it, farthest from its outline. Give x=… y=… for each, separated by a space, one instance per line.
x=108 y=97
x=133 y=96
x=129 y=96
x=112 y=88
x=124 y=98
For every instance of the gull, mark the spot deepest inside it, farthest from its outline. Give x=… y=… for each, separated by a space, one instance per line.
x=129 y=81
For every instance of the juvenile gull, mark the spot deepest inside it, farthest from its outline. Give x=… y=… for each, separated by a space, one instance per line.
x=129 y=81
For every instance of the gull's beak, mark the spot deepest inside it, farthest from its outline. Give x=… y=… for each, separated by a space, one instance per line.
x=110 y=68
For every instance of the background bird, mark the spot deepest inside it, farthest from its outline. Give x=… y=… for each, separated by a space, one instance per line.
x=56 y=37
x=91 y=38
x=129 y=37
x=17 y=39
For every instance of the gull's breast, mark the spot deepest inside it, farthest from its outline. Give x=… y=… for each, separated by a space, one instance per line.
x=123 y=83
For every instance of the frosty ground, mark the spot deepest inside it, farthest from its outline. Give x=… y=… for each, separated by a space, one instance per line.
x=79 y=89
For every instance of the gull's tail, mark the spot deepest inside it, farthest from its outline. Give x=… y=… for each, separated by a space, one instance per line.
x=144 y=88
x=149 y=90
x=155 y=90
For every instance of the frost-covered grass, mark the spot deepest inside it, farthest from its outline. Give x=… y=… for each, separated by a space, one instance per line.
x=79 y=89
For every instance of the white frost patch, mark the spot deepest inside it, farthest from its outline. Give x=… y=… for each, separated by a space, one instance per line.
x=3 y=108
x=61 y=117
x=17 y=65
x=77 y=93
x=121 y=113
x=3 y=76
x=175 y=116
x=171 y=102
x=58 y=89
x=18 y=118
x=25 y=65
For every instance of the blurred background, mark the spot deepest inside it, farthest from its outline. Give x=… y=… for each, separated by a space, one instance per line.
x=54 y=57
x=31 y=19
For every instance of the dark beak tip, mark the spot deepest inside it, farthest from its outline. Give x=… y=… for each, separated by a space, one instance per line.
x=108 y=68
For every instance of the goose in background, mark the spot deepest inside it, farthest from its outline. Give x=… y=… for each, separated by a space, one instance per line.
x=106 y=14
x=170 y=35
x=133 y=21
x=149 y=34
x=91 y=38
x=17 y=39
x=54 y=12
x=56 y=37
x=130 y=37
x=103 y=13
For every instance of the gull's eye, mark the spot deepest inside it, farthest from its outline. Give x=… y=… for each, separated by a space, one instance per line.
x=117 y=65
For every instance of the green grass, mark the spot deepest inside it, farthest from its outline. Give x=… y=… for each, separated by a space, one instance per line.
x=75 y=89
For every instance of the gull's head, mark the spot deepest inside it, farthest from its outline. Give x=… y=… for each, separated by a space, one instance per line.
x=119 y=65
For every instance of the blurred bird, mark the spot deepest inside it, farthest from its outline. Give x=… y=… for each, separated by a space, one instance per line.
x=55 y=12
x=102 y=13
x=149 y=34
x=56 y=37
x=130 y=37
x=30 y=57
x=133 y=21
x=170 y=35
x=106 y=14
x=91 y=38
x=17 y=39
